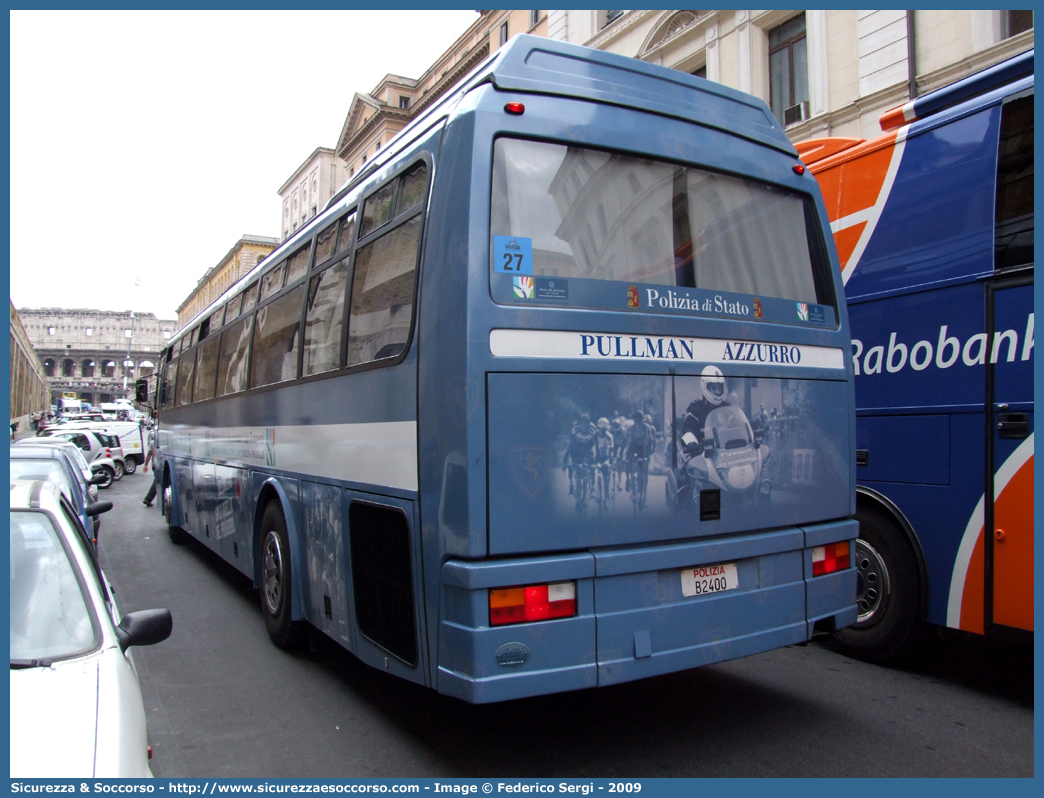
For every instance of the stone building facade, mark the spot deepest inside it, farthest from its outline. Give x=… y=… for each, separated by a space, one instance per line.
x=30 y=392
x=244 y=256
x=309 y=188
x=823 y=73
x=95 y=354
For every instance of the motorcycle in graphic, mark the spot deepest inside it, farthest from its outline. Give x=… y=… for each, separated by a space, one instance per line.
x=732 y=459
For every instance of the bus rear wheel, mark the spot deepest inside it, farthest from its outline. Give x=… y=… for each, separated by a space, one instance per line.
x=887 y=594
x=177 y=535
x=276 y=582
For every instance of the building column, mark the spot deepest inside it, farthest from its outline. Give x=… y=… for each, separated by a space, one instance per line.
x=743 y=63
x=818 y=69
x=713 y=53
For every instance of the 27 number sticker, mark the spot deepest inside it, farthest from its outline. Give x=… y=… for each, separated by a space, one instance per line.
x=512 y=255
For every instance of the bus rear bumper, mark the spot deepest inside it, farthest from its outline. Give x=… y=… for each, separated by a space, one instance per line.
x=633 y=619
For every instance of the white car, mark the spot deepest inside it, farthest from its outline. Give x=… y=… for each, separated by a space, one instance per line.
x=76 y=708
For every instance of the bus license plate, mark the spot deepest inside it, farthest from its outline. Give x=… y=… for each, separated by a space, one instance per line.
x=709 y=579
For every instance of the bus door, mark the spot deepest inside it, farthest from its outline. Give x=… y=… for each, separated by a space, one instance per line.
x=1008 y=550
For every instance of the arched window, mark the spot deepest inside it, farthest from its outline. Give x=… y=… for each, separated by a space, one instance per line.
x=109 y=368
x=68 y=368
x=87 y=368
x=49 y=367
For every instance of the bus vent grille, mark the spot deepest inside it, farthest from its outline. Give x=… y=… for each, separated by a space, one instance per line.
x=382 y=578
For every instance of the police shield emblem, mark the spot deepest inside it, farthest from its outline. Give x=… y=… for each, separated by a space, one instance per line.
x=529 y=468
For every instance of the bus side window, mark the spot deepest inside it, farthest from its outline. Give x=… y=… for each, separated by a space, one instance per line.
x=1013 y=234
x=297 y=266
x=276 y=337
x=325 y=243
x=232 y=360
x=249 y=297
x=206 y=369
x=185 y=372
x=386 y=270
x=272 y=282
x=324 y=318
x=169 y=372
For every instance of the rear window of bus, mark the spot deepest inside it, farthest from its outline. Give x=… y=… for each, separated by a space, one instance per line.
x=591 y=220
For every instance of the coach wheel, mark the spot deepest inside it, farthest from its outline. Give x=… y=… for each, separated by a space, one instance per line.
x=887 y=594
x=276 y=590
x=117 y=473
x=109 y=475
x=177 y=535
x=130 y=466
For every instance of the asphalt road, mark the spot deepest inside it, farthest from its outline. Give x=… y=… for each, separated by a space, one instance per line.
x=222 y=701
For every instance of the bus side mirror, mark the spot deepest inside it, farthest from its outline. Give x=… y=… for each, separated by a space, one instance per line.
x=141 y=391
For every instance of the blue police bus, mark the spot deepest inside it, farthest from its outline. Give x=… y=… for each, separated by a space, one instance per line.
x=933 y=222
x=555 y=395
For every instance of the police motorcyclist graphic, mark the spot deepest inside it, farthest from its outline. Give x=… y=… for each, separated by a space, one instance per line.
x=719 y=449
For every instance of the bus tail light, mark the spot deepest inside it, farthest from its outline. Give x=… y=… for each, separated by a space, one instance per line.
x=532 y=603
x=515 y=108
x=830 y=558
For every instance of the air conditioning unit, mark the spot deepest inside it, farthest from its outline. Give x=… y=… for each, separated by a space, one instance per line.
x=796 y=113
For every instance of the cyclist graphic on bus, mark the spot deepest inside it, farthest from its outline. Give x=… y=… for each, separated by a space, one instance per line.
x=640 y=441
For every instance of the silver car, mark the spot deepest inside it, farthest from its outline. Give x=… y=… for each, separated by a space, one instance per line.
x=75 y=699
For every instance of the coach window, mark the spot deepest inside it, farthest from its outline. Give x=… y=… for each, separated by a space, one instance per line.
x=325 y=243
x=276 y=336
x=249 y=298
x=232 y=359
x=272 y=282
x=344 y=240
x=297 y=266
x=185 y=373
x=324 y=319
x=232 y=309
x=377 y=211
x=217 y=320
x=385 y=272
x=167 y=387
x=191 y=341
x=1013 y=242
x=206 y=369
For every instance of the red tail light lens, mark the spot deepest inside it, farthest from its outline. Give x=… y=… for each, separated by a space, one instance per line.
x=830 y=558
x=532 y=603
x=515 y=108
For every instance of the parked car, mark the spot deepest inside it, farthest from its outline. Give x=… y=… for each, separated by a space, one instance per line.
x=130 y=434
x=75 y=455
x=52 y=464
x=75 y=699
x=94 y=445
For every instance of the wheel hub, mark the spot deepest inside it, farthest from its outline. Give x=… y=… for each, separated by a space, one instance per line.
x=272 y=573
x=872 y=584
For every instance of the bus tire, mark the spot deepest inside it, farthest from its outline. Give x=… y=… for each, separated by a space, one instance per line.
x=177 y=535
x=276 y=581
x=887 y=595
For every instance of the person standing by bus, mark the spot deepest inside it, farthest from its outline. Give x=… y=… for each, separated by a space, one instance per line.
x=147 y=501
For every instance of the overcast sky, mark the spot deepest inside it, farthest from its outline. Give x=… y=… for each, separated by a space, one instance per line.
x=145 y=144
